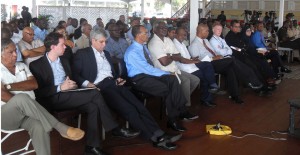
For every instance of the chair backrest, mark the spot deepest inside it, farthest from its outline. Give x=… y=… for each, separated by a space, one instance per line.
x=9 y=133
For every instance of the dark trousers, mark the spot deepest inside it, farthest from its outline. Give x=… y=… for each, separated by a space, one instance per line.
x=253 y=63
x=291 y=44
x=90 y=102
x=166 y=86
x=244 y=73
x=226 y=67
x=276 y=61
x=206 y=74
x=120 y=99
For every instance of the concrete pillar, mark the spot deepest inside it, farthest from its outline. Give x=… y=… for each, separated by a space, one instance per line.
x=34 y=12
x=194 y=18
x=142 y=9
x=281 y=13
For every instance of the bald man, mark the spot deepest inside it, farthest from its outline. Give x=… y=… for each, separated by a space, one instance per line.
x=31 y=49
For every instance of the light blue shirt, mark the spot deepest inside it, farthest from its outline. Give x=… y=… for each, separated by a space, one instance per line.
x=116 y=48
x=258 y=40
x=129 y=35
x=40 y=34
x=19 y=55
x=220 y=46
x=136 y=62
x=58 y=72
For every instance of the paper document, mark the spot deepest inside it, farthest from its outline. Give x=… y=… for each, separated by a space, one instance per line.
x=79 y=89
x=206 y=58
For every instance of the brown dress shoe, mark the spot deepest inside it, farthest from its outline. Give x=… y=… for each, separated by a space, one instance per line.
x=73 y=134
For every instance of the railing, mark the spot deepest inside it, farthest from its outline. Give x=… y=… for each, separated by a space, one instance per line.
x=207 y=9
x=182 y=10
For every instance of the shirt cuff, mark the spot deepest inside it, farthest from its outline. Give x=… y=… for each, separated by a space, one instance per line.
x=85 y=83
x=58 y=88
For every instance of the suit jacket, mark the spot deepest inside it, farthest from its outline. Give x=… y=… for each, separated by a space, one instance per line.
x=85 y=65
x=42 y=71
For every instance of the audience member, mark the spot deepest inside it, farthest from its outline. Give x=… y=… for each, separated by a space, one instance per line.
x=258 y=41
x=19 y=108
x=71 y=28
x=78 y=31
x=84 y=40
x=116 y=47
x=221 y=17
x=30 y=49
x=40 y=32
x=99 y=24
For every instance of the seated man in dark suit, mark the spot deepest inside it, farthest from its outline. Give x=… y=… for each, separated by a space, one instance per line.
x=54 y=76
x=155 y=81
x=93 y=68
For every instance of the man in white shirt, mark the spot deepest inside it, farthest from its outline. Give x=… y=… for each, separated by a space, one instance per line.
x=84 y=40
x=203 y=70
x=19 y=108
x=164 y=54
x=30 y=49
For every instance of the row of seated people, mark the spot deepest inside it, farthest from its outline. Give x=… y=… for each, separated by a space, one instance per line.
x=53 y=77
x=173 y=67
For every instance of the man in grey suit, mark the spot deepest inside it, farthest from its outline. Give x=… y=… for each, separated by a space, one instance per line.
x=20 y=110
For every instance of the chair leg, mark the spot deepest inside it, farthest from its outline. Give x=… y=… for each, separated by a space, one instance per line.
x=103 y=133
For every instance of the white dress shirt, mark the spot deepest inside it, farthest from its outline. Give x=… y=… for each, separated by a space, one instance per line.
x=103 y=68
x=22 y=73
x=189 y=68
x=197 y=48
x=159 y=49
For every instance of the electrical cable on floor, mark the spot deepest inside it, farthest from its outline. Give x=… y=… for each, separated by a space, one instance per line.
x=256 y=135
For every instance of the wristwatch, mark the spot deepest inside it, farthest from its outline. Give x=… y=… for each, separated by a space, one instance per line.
x=8 y=86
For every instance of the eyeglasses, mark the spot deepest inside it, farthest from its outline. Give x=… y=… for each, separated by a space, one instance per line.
x=237 y=26
x=162 y=27
x=31 y=34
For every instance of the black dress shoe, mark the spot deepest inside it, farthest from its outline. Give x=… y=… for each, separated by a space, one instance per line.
x=176 y=126
x=252 y=86
x=188 y=116
x=164 y=143
x=94 y=151
x=213 y=90
x=125 y=133
x=171 y=138
x=208 y=103
x=237 y=100
x=285 y=70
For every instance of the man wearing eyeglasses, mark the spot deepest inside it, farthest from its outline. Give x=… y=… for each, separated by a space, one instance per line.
x=31 y=49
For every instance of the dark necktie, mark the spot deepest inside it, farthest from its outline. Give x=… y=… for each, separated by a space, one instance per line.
x=147 y=55
x=209 y=50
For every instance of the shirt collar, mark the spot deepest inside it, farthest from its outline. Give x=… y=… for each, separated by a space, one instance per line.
x=98 y=52
x=56 y=61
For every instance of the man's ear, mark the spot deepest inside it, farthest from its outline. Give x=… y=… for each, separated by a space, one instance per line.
x=52 y=47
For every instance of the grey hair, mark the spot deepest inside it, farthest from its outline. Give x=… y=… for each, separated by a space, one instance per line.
x=4 y=43
x=156 y=23
x=97 y=34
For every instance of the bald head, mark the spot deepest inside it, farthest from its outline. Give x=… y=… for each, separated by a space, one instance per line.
x=202 y=31
x=28 y=34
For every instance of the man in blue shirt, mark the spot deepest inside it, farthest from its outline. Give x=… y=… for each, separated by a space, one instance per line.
x=258 y=41
x=40 y=31
x=154 y=81
x=116 y=46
